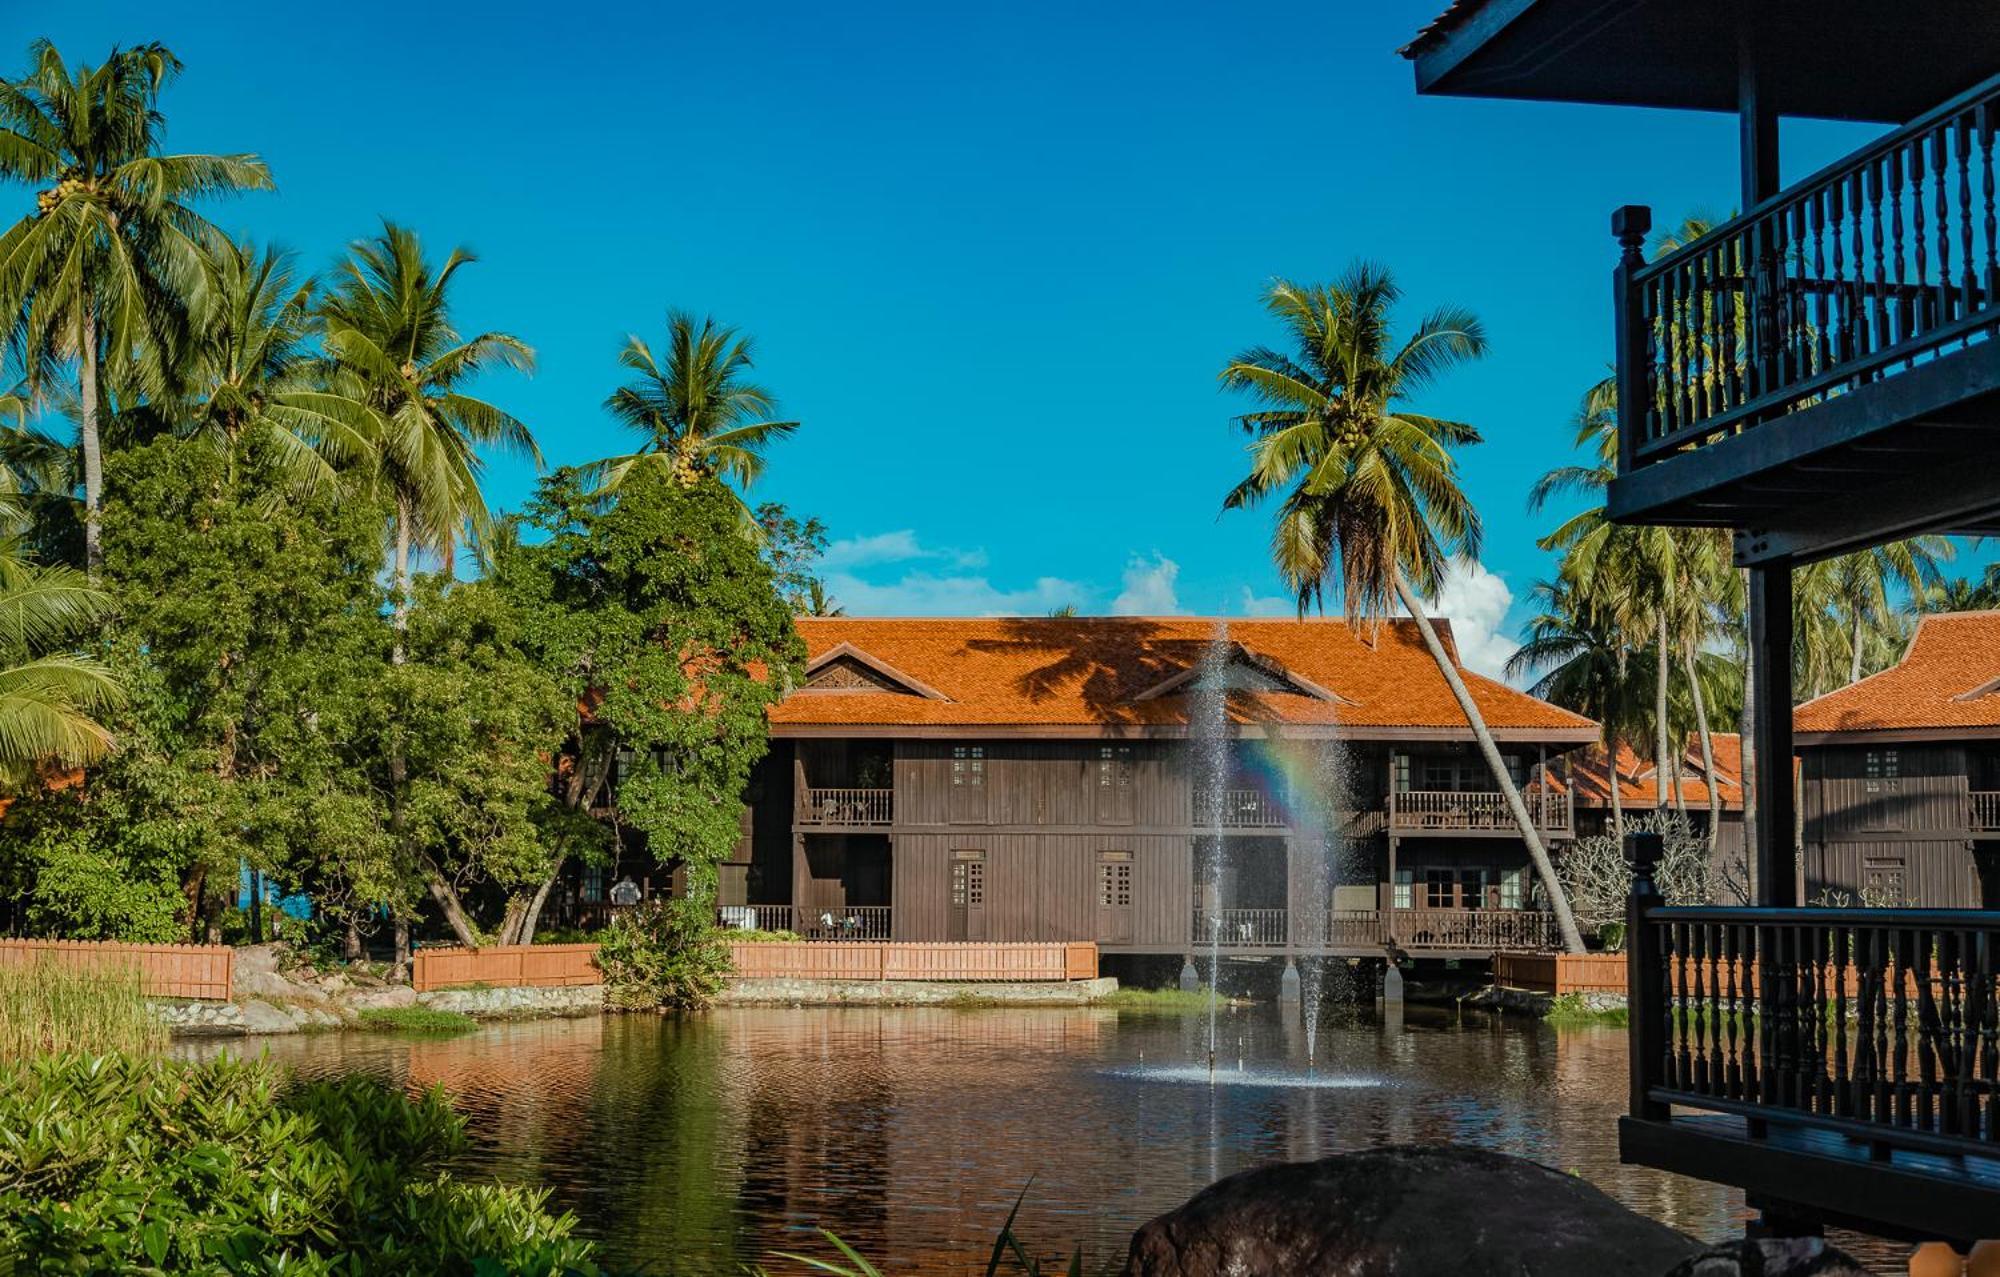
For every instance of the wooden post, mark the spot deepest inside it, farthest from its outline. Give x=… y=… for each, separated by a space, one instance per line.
x=1775 y=855
x=1631 y=334
x=1647 y=995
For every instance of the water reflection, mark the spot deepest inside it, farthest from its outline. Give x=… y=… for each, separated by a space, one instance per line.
x=693 y=1145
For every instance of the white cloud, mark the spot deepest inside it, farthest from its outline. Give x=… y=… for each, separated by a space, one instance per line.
x=1148 y=587
x=1476 y=601
x=901 y=546
x=1255 y=604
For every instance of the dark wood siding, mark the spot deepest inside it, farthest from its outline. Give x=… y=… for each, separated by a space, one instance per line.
x=1044 y=886
x=1888 y=824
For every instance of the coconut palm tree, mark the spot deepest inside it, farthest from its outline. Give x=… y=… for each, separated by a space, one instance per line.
x=389 y=329
x=1962 y=594
x=1860 y=592
x=696 y=412
x=108 y=270
x=1370 y=502
x=1578 y=660
x=49 y=698
x=252 y=375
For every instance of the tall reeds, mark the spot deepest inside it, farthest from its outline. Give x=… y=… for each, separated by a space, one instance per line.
x=48 y=1007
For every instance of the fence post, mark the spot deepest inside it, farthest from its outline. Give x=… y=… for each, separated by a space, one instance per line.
x=1631 y=334
x=1647 y=996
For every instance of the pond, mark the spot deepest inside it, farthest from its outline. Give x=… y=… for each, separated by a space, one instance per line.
x=694 y=1145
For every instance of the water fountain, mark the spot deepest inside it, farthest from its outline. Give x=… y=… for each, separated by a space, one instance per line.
x=1208 y=768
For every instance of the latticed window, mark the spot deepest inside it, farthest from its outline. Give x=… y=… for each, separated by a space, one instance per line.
x=1114 y=767
x=968 y=766
x=1114 y=880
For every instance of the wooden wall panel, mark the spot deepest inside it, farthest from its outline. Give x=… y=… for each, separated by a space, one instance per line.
x=1932 y=874
x=1927 y=796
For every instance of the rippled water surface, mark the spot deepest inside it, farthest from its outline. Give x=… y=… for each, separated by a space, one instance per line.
x=695 y=1145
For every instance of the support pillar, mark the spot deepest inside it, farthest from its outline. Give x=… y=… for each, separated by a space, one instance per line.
x=1288 y=984
x=1190 y=978
x=1775 y=857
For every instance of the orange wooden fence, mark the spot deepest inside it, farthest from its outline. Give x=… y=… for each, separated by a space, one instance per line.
x=1559 y=973
x=537 y=966
x=165 y=970
x=1076 y=960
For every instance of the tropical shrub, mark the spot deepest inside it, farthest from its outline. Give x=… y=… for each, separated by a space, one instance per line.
x=132 y=1164
x=663 y=953
x=48 y=1006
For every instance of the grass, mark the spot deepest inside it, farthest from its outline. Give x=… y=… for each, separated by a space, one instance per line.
x=1570 y=1011
x=416 y=1020
x=52 y=1007
x=1164 y=1001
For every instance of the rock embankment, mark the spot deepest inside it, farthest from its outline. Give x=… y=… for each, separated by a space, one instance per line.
x=274 y=994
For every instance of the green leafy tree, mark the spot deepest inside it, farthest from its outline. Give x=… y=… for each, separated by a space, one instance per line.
x=1370 y=505
x=664 y=626
x=108 y=270
x=49 y=698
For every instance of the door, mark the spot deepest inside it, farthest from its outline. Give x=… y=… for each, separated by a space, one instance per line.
x=967 y=920
x=1114 y=784
x=1114 y=897
x=968 y=784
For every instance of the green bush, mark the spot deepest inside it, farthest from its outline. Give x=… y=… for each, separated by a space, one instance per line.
x=663 y=953
x=47 y=1006
x=134 y=1164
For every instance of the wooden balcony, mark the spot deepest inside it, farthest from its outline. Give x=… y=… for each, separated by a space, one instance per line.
x=1240 y=928
x=1469 y=932
x=1820 y=368
x=1435 y=811
x=846 y=808
x=1840 y=1065
x=1473 y=933
x=1984 y=814
x=1238 y=809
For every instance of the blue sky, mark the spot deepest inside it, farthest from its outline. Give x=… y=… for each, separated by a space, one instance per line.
x=993 y=256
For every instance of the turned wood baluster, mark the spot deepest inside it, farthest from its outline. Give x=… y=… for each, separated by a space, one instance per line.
x=1899 y=1044
x=1942 y=307
x=1845 y=967
x=1821 y=343
x=1968 y=282
x=1920 y=290
x=1984 y=124
x=1925 y=1117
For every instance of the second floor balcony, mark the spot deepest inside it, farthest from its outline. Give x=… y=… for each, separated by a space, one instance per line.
x=1761 y=363
x=1434 y=811
x=1984 y=817
x=846 y=808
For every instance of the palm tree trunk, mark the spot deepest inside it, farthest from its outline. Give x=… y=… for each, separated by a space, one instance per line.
x=400 y=617
x=91 y=441
x=1660 y=764
x=1538 y=854
x=1612 y=744
x=1854 y=655
x=1707 y=749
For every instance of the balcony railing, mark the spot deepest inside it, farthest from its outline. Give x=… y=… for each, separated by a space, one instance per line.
x=1878 y=263
x=1240 y=927
x=1472 y=930
x=754 y=917
x=846 y=807
x=1238 y=809
x=1881 y=1026
x=1420 y=809
x=1985 y=811
x=850 y=922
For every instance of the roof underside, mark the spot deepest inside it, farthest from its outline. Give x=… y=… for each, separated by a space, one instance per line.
x=1866 y=60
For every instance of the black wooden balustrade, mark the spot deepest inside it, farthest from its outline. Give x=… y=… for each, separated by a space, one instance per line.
x=1885 y=259
x=1879 y=1025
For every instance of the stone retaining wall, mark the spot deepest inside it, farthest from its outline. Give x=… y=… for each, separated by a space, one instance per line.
x=501 y=1004
x=796 y=992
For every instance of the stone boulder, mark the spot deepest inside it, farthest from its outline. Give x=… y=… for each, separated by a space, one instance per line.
x=388 y=995
x=1772 y=1257
x=1404 y=1211
x=260 y=1016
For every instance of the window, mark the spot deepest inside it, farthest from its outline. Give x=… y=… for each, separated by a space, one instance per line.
x=1403 y=894
x=1881 y=765
x=1114 y=879
x=592 y=888
x=1438 y=888
x=968 y=766
x=1114 y=767
x=1512 y=888
x=1401 y=764
x=1440 y=774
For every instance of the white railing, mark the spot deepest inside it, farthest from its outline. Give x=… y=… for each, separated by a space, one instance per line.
x=1238 y=809
x=1228 y=927
x=1475 y=810
x=846 y=806
x=1985 y=811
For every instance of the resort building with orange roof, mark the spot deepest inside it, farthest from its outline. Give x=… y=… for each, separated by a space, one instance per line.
x=1034 y=778
x=1900 y=775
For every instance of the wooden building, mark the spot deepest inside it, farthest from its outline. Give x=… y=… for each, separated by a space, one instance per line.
x=1819 y=374
x=1033 y=779
x=1640 y=792
x=1900 y=775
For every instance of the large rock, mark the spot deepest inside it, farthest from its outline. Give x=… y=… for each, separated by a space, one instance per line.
x=388 y=995
x=260 y=1016
x=1405 y=1210
x=1772 y=1257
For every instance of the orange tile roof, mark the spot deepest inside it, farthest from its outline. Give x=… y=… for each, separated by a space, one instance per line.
x=1947 y=682
x=1088 y=675
x=1638 y=780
